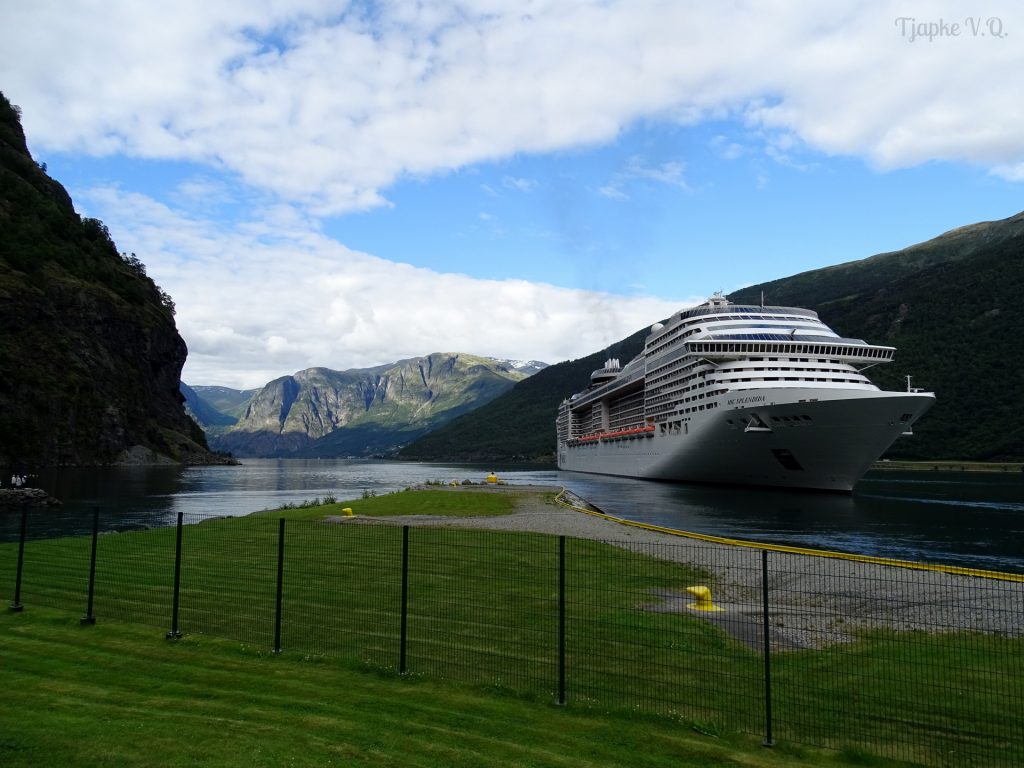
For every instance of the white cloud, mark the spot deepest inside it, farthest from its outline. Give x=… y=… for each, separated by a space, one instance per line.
x=612 y=192
x=727 y=149
x=318 y=111
x=328 y=109
x=257 y=302
x=1010 y=172
x=669 y=173
x=518 y=184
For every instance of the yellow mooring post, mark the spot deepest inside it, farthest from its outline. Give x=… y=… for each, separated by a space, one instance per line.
x=347 y=511
x=703 y=595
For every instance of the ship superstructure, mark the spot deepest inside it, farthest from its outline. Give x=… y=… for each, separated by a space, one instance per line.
x=735 y=393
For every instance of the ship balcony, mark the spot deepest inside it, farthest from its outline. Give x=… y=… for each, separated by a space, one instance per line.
x=848 y=353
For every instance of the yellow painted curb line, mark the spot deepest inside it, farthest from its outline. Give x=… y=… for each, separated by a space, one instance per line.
x=951 y=569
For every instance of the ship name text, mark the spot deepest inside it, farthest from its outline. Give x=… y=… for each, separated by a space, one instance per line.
x=746 y=400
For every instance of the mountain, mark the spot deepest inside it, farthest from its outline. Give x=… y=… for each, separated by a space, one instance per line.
x=90 y=358
x=359 y=412
x=528 y=367
x=951 y=306
x=227 y=402
x=215 y=409
x=520 y=424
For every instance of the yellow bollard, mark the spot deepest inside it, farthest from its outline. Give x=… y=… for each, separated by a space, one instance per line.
x=703 y=595
x=347 y=511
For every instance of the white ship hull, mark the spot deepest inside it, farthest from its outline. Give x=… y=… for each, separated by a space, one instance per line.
x=787 y=437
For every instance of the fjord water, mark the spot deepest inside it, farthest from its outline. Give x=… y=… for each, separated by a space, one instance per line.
x=967 y=519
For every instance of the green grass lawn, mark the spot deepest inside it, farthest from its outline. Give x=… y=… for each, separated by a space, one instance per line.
x=449 y=503
x=119 y=695
x=483 y=611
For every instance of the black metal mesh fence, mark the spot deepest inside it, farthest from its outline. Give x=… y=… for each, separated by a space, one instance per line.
x=915 y=665
x=341 y=592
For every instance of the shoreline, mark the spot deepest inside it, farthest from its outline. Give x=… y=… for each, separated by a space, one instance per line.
x=949 y=466
x=816 y=601
x=22 y=498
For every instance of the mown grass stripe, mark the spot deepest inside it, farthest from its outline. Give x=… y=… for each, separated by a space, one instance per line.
x=114 y=694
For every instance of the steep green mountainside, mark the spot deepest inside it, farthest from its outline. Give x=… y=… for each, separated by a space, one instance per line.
x=226 y=401
x=215 y=409
x=951 y=306
x=90 y=359
x=203 y=412
x=321 y=412
x=519 y=425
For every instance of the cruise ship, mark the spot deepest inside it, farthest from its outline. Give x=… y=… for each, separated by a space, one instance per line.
x=739 y=394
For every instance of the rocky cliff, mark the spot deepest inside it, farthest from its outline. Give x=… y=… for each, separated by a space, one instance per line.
x=321 y=412
x=90 y=358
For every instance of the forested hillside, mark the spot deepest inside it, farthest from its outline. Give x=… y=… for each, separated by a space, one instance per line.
x=518 y=425
x=951 y=306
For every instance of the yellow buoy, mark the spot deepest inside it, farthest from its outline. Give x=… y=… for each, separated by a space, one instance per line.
x=492 y=478
x=703 y=595
x=347 y=511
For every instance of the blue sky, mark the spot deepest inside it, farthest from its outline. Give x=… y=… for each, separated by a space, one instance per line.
x=322 y=183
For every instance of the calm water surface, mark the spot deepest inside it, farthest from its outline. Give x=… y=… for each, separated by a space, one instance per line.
x=966 y=519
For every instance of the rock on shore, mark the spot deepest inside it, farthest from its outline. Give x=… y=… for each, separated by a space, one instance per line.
x=26 y=497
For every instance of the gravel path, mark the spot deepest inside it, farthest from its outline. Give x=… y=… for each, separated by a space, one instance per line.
x=813 y=601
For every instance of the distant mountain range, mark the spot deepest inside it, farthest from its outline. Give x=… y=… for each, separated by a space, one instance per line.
x=952 y=307
x=358 y=412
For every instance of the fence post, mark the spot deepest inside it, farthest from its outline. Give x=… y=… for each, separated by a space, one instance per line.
x=89 y=618
x=561 y=620
x=280 y=585
x=174 y=634
x=405 y=601
x=768 y=740
x=16 y=605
